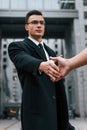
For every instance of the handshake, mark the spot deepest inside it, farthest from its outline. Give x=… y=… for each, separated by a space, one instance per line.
x=56 y=72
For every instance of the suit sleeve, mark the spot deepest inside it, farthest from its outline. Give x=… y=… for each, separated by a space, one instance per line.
x=23 y=60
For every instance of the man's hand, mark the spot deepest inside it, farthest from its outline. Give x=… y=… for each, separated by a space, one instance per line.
x=50 y=69
x=63 y=66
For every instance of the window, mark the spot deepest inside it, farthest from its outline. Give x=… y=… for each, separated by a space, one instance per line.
x=86 y=44
x=56 y=52
x=86 y=28
x=4 y=46
x=85 y=2
x=14 y=87
x=14 y=95
x=4 y=59
x=14 y=70
x=85 y=15
x=4 y=66
x=16 y=99
x=4 y=52
x=56 y=46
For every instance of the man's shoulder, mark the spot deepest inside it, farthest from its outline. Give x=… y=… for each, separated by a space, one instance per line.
x=17 y=43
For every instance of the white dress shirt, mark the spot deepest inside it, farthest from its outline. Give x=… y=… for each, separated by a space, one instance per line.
x=37 y=43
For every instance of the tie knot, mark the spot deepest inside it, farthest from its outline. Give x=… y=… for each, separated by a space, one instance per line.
x=40 y=45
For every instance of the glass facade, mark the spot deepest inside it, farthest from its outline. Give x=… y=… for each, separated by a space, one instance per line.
x=67 y=4
x=4 y=4
x=85 y=15
x=86 y=28
x=29 y=4
x=85 y=2
x=19 y=4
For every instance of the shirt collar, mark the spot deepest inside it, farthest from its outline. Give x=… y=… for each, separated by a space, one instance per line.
x=36 y=42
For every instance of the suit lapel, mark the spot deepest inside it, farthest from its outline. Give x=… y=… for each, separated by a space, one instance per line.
x=35 y=47
x=49 y=51
x=38 y=51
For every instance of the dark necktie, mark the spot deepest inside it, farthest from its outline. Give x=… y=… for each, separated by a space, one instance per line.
x=42 y=50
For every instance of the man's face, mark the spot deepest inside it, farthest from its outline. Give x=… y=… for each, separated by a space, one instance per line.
x=35 y=26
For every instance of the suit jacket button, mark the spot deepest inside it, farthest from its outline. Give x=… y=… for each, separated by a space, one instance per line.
x=54 y=97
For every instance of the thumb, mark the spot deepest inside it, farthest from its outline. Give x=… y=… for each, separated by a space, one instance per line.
x=53 y=58
x=56 y=58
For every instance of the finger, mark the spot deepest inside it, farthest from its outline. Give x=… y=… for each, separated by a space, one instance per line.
x=53 y=58
x=56 y=76
x=52 y=77
x=56 y=79
x=54 y=73
x=55 y=68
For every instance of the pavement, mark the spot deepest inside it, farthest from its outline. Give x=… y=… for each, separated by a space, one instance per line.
x=79 y=123
x=12 y=124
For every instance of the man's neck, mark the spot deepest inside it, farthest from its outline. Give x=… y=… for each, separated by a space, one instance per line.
x=35 y=38
x=35 y=41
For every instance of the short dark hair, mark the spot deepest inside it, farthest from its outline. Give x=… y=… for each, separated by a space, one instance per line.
x=32 y=12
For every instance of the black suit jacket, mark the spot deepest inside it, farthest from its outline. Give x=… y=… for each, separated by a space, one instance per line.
x=44 y=105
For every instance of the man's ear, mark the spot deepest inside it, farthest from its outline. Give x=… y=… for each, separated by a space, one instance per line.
x=26 y=27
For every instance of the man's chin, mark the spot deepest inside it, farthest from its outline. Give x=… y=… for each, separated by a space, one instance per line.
x=38 y=36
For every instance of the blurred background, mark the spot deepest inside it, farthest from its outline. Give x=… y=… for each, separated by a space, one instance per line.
x=66 y=33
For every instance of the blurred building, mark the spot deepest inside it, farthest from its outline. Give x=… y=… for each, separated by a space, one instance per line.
x=66 y=33
x=76 y=81
x=67 y=4
x=10 y=86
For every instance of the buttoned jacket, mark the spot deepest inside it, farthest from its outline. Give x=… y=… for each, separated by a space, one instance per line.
x=44 y=105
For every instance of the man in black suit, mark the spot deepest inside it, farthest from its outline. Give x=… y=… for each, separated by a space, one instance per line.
x=44 y=105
